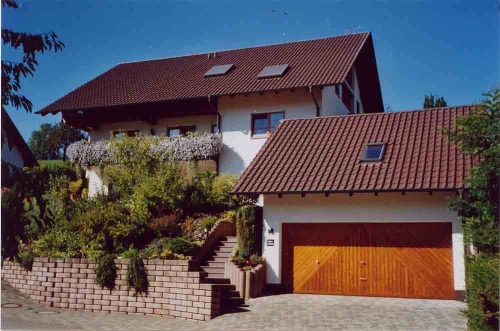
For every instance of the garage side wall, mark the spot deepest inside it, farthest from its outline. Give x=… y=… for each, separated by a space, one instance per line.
x=360 y=208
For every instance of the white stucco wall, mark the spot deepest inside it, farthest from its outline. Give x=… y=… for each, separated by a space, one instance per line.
x=13 y=156
x=386 y=207
x=236 y=113
x=331 y=103
x=203 y=124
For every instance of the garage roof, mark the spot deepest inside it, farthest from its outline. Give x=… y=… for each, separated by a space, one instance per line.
x=324 y=154
x=316 y=62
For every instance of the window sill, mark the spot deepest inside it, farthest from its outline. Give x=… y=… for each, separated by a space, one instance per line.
x=259 y=136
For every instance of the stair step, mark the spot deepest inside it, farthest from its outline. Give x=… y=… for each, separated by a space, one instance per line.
x=214 y=264
x=225 y=249
x=222 y=254
x=217 y=259
x=234 y=294
x=217 y=280
x=216 y=270
x=232 y=239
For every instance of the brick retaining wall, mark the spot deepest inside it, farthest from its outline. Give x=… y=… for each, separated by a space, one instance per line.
x=174 y=289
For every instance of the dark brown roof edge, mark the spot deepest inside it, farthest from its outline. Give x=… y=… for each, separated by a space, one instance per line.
x=355 y=191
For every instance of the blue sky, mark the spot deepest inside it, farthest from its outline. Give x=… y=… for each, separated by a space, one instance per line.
x=447 y=48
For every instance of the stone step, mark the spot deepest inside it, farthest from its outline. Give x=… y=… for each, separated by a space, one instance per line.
x=216 y=280
x=215 y=264
x=215 y=270
x=217 y=259
x=224 y=249
x=227 y=244
x=222 y=254
x=233 y=302
x=232 y=239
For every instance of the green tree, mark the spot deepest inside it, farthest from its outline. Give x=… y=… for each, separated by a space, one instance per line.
x=50 y=142
x=478 y=135
x=12 y=71
x=431 y=101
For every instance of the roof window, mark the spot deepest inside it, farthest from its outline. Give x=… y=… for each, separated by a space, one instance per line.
x=273 y=71
x=373 y=152
x=218 y=70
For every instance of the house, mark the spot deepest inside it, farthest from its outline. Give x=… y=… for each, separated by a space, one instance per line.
x=240 y=94
x=355 y=199
x=14 y=149
x=358 y=204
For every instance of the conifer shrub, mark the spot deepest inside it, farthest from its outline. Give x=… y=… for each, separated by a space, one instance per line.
x=106 y=271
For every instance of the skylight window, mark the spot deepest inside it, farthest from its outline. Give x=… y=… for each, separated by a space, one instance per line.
x=273 y=71
x=218 y=70
x=374 y=152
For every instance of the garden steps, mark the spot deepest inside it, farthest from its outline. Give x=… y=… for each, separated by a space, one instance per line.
x=213 y=271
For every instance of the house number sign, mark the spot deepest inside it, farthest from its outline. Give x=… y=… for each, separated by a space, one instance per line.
x=269 y=242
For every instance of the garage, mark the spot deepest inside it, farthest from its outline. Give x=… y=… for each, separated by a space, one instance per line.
x=408 y=260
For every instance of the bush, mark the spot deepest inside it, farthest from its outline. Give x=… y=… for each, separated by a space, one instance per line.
x=105 y=271
x=166 y=225
x=247 y=229
x=482 y=292
x=129 y=252
x=60 y=243
x=256 y=260
x=137 y=277
x=26 y=260
x=208 y=223
x=182 y=246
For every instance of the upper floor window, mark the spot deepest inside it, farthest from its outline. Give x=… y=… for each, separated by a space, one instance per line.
x=348 y=98
x=180 y=130
x=118 y=134
x=265 y=123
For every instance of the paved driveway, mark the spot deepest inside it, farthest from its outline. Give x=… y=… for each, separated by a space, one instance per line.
x=280 y=312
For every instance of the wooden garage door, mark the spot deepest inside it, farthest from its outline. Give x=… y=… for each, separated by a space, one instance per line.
x=411 y=260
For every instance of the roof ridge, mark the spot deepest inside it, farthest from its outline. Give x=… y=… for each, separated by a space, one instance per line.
x=244 y=48
x=375 y=114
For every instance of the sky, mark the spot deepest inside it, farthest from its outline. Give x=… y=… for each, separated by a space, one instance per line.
x=448 y=48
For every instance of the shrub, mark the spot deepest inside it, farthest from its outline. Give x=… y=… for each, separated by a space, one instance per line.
x=60 y=243
x=238 y=260
x=247 y=229
x=208 y=223
x=105 y=271
x=166 y=225
x=26 y=260
x=256 y=260
x=228 y=216
x=129 y=252
x=181 y=246
x=482 y=292
x=137 y=277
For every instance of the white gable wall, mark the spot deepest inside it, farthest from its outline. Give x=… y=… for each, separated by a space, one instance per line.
x=236 y=115
x=360 y=208
x=13 y=156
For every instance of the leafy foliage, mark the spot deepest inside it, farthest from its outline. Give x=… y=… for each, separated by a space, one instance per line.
x=247 y=229
x=137 y=277
x=482 y=292
x=434 y=102
x=181 y=246
x=31 y=45
x=106 y=271
x=478 y=135
x=51 y=142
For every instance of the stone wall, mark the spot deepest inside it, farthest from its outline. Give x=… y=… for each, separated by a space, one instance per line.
x=175 y=289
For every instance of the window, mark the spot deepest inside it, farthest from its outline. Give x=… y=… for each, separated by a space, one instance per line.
x=374 y=152
x=218 y=70
x=118 y=134
x=273 y=71
x=264 y=124
x=180 y=130
x=214 y=129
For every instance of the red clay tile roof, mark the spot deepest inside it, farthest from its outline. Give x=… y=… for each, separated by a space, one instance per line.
x=323 y=154
x=316 y=62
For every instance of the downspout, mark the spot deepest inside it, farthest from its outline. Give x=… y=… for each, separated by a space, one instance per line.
x=314 y=99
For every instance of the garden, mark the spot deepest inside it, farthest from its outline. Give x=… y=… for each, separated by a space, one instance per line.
x=149 y=211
